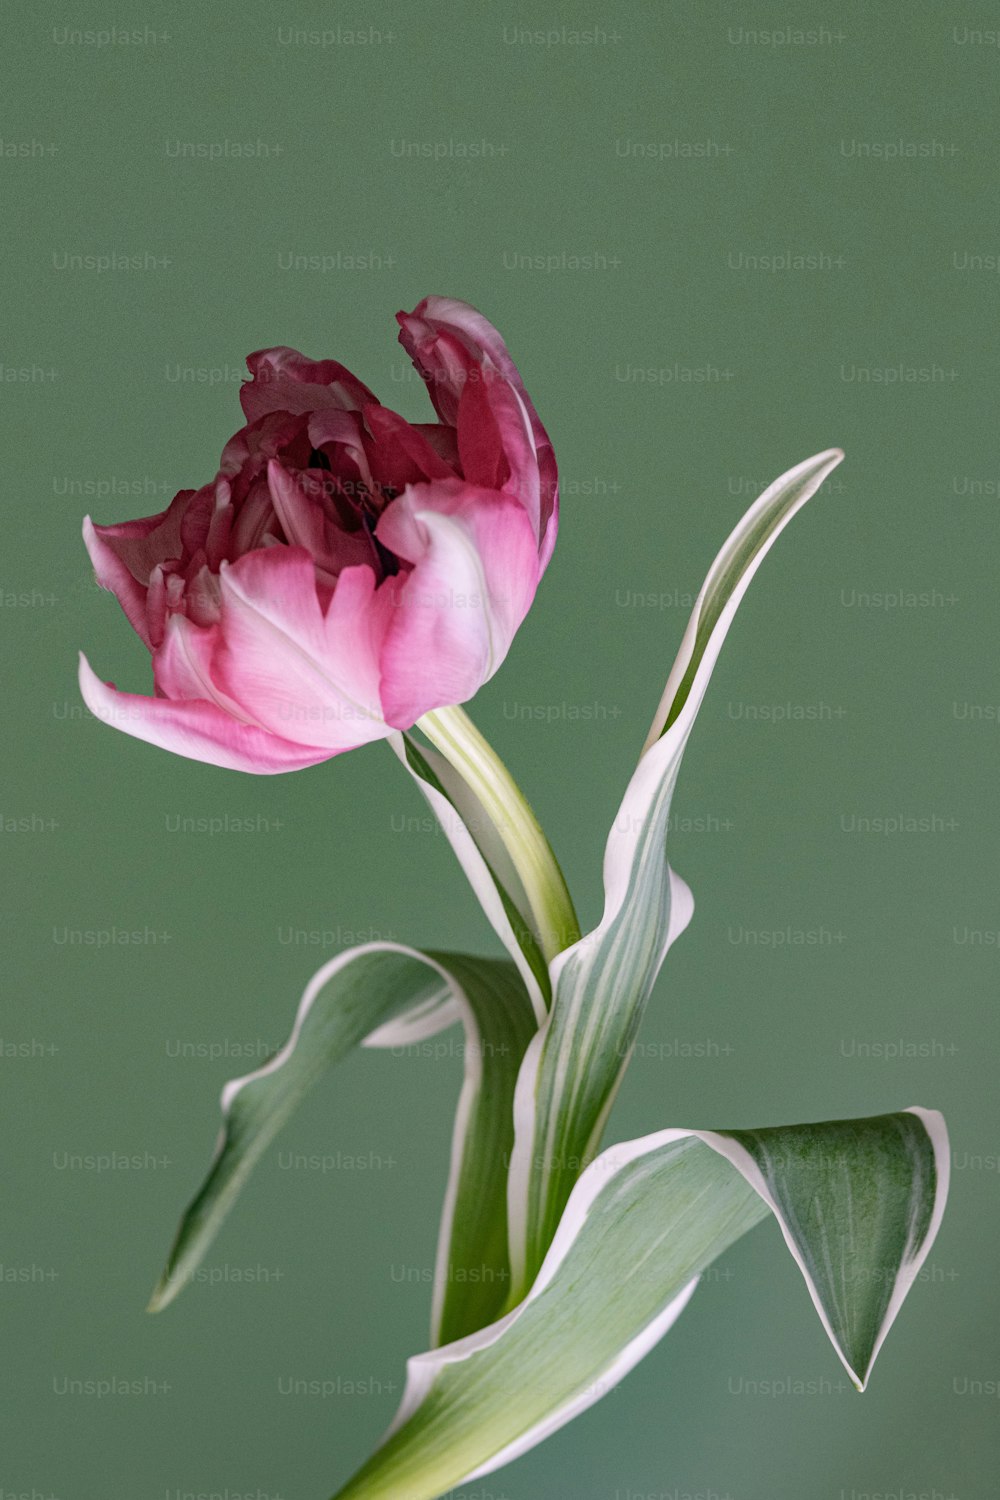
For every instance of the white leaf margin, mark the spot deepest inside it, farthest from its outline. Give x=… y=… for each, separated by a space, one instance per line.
x=933 y=1122
x=662 y=749
x=425 y=1019
x=473 y=859
x=525 y=1104
x=654 y=776
x=422 y=1369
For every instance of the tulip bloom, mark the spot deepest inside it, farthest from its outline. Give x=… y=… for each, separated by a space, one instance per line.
x=347 y=571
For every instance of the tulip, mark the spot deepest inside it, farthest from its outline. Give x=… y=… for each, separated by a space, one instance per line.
x=347 y=571
x=348 y=574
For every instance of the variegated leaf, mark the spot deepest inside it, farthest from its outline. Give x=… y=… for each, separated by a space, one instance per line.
x=387 y=995
x=601 y=984
x=859 y=1203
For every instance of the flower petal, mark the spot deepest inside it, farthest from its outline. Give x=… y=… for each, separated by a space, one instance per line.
x=182 y=666
x=284 y=380
x=145 y=544
x=254 y=520
x=475 y=571
x=447 y=339
x=112 y=573
x=125 y=556
x=461 y=318
x=444 y=362
x=196 y=729
x=308 y=504
x=303 y=675
x=246 y=454
x=443 y=439
x=298 y=506
x=496 y=441
x=401 y=453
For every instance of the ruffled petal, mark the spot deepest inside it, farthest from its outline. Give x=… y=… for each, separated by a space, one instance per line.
x=308 y=677
x=246 y=454
x=444 y=362
x=144 y=545
x=474 y=574
x=299 y=505
x=111 y=573
x=400 y=453
x=448 y=341
x=196 y=729
x=284 y=380
x=496 y=442
x=462 y=319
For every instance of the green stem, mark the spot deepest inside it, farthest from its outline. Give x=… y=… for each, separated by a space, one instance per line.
x=452 y=732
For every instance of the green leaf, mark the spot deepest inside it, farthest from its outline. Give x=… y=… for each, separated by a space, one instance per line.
x=387 y=995
x=601 y=985
x=472 y=1281
x=858 y=1202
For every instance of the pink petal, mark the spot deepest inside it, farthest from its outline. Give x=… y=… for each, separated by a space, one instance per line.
x=343 y=433
x=443 y=439
x=246 y=454
x=308 y=677
x=300 y=513
x=401 y=453
x=126 y=556
x=496 y=441
x=112 y=573
x=475 y=571
x=480 y=446
x=220 y=526
x=444 y=361
x=446 y=337
x=182 y=667
x=143 y=545
x=255 y=518
x=156 y=607
x=298 y=504
x=284 y=380
x=331 y=425
x=462 y=318
x=202 y=596
x=199 y=730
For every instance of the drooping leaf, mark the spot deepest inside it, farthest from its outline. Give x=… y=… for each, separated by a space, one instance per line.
x=859 y=1203
x=384 y=994
x=600 y=985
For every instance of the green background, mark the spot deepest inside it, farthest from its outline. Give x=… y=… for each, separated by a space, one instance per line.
x=885 y=709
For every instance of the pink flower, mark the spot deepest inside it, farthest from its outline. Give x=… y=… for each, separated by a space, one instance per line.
x=346 y=571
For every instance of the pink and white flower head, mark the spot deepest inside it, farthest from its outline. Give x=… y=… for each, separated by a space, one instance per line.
x=346 y=571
